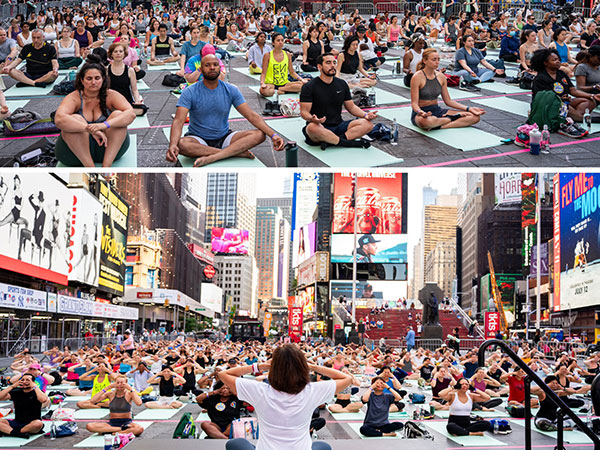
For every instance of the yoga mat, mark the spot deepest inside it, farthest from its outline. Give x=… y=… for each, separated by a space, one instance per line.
x=60 y=387
x=347 y=416
x=139 y=122
x=91 y=414
x=356 y=428
x=444 y=414
x=465 y=441
x=229 y=162
x=157 y=414
x=281 y=96
x=399 y=415
x=455 y=93
x=142 y=86
x=129 y=159
x=31 y=91
x=506 y=105
x=333 y=156
x=464 y=139
x=570 y=437
x=502 y=88
x=76 y=398
x=383 y=97
x=174 y=67
x=97 y=440
x=11 y=442
x=201 y=417
x=245 y=71
x=12 y=105
x=66 y=71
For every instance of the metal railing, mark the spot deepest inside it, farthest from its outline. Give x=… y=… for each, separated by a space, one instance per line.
x=563 y=409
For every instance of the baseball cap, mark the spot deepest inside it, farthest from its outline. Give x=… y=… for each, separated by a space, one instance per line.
x=361 y=29
x=367 y=239
x=35 y=366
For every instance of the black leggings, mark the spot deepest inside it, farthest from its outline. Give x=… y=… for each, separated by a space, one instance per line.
x=462 y=425
x=181 y=391
x=378 y=430
x=308 y=68
x=509 y=58
x=489 y=404
x=317 y=424
x=574 y=402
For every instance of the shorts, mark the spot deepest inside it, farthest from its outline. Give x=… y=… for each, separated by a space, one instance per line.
x=162 y=400
x=338 y=130
x=441 y=401
x=220 y=143
x=119 y=422
x=342 y=403
x=435 y=111
x=33 y=76
x=18 y=426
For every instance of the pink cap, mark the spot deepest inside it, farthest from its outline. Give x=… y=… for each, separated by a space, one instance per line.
x=208 y=49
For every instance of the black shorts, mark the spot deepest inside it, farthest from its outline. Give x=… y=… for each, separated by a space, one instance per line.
x=119 y=422
x=338 y=130
x=342 y=403
x=18 y=426
x=435 y=110
x=34 y=76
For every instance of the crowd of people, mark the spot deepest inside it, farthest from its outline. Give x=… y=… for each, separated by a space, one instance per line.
x=327 y=57
x=278 y=381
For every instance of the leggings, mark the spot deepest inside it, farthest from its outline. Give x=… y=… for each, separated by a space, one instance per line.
x=181 y=391
x=308 y=68
x=574 y=402
x=489 y=404
x=509 y=57
x=378 y=430
x=317 y=424
x=462 y=425
x=243 y=444
x=482 y=73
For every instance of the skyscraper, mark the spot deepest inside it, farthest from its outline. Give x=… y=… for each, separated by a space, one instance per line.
x=272 y=253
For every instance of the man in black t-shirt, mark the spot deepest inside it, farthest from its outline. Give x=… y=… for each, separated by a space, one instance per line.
x=95 y=31
x=27 y=399
x=223 y=408
x=321 y=102
x=41 y=63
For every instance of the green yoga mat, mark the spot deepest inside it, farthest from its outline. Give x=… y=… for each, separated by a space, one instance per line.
x=61 y=387
x=245 y=71
x=31 y=91
x=465 y=441
x=570 y=437
x=129 y=159
x=333 y=156
x=505 y=104
x=142 y=86
x=157 y=414
x=485 y=414
x=399 y=415
x=356 y=428
x=91 y=414
x=171 y=67
x=139 y=122
x=502 y=88
x=229 y=162
x=465 y=139
x=97 y=440
x=14 y=104
x=202 y=417
x=383 y=97
x=281 y=96
x=12 y=442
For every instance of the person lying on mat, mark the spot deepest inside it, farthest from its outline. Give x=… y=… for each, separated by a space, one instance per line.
x=257 y=52
x=163 y=49
x=546 y=418
x=343 y=402
x=122 y=77
x=222 y=407
x=101 y=381
x=460 y=398
x=27 y=400
x=209 y=138
x=166 y=379
x=278 y=69
x=120 y=396
x=41 y=66
x=426 y=86
x=93 y=120
x=377 y=423
x=321 y=101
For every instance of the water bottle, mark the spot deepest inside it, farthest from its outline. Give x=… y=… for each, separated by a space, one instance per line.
x=372 y=97
x=588 y=417
x=587 y=120
x=535 y=137
x=546 y=139
x=393 y=70
x=395 y=133
x=108 y=441
x=53 y=431
x=291 y=154
x=495 y=427
x=72 y=75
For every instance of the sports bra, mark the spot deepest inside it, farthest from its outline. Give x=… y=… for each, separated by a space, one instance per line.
x=458 y=408
x=119 y=405
x=432 y=89
x=100 y=119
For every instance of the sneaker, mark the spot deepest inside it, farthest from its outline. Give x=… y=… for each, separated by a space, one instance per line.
x=464 y=86
x=572 y=130
x=268 y=108
x=276 y=110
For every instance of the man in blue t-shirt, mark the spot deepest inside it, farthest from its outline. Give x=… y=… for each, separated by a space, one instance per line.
x=209 y=138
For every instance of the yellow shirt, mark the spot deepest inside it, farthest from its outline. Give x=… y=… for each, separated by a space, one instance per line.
x=277 y=72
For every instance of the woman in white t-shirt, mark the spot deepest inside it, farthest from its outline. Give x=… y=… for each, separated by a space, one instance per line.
x=285 y=405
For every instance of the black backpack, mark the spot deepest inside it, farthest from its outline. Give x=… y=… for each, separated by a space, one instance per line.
x=412 y=430
x=172 y=80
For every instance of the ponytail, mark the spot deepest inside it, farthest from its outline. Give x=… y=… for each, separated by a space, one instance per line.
x=426 y=53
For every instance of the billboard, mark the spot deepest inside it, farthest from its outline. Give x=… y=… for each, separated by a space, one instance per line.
x=305 y=197
x=576 y=240
x=506 y=283
x=304 y=243
x=305 y=299
x=371 y=293
x=528 y=214
x=84 y=245
x=492 y=324
x=35 y=211
x=380 y=203
x=507 y=188
x=113 y=247
x=229 y=241
x=370 y=248
x=295 y=322
x=543 y=260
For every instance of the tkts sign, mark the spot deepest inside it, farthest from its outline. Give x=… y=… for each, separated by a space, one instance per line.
x=492 y=324
x=295 y=321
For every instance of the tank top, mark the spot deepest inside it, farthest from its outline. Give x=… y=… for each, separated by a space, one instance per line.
x=546 y=38
x=14 y=33
x=277 y=72
x=394 y=33
x=162 y=47
x=439 y=387
x=432 y=89
x=563 y=52
x=166 y=387
x=190 y=379
x=121 y=83
x=119 y=405
x=83 y=40
x=99 y=385
x=66 y=52
x=350 y=64
x=100 y=119
x=458 y=408
x=481 y=385
x=417 y=57
x=312 y=52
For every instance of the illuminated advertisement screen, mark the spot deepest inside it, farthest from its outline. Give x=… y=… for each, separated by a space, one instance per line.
x=577 y=252
x=380 y=205
x=229 y=241
x=528 y=219
x=35 y=221
x=305 y=197
x=370 y=248
x=304 y=244
x=306 y=300
x=371 y=293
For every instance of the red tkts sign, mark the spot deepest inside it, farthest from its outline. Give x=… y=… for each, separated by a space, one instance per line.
x=295 y=321
x=209 y=271
x=492 y=324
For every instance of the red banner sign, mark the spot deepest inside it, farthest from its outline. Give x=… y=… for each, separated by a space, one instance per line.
x=492 y=324
x=295 y=322
x=146 y=295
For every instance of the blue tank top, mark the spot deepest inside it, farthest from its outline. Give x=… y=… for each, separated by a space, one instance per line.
x=563 y=52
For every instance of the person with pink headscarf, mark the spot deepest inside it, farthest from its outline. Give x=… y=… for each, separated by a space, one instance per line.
x=192 y=71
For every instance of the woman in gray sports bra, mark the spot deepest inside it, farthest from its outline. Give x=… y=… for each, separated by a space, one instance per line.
x=426 y=86
x=93 y=120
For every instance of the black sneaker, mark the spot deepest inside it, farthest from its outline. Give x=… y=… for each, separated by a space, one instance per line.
x=465 y=86
x=268 y=108
x=572 y=130
x=276 y=110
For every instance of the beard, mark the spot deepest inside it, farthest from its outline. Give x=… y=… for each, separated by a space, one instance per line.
x=212 y=76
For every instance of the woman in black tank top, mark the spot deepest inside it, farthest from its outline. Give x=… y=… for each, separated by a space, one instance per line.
x=326 y=36
x=350 y=66
x=311 y=49
x=123 y=79
x=188 y=371
x=166 y=379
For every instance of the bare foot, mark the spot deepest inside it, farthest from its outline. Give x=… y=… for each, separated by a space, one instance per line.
x=247 y=154
x=389 y=434
x=201 y=161
x=476 y=433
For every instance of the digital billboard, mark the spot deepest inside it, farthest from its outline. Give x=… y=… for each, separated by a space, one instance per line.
x=84 y=245
x=306 y=300
x=304 y=244
x=576 y=240
x=229 y=241
x=528 y=215
x=35 y=211
x=305 y=197
x=113 y=246
x=370 y=248
x=380 y=203
x=507 y=188
x=371 y=293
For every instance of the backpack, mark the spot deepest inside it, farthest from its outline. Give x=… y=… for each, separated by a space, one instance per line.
x=64 y=87
x=526 y=81
x=360 y=97
x=381 y=132
x=64 y=430
x=452 y=80
x=415 y=398
x=503 y=426
x=245 y=428
x=186 y=428
x=290 y=107
x=412 y=430
x=22 y=122
x=516 y=411
x=547 y=109
x=172 y=80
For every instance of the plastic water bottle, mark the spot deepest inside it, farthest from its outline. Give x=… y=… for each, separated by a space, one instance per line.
x=587 y=120
x=393 y=70
x=372 y=97
x=495 y=427
x=395 y=133
x=108 y=441
x=588 y=417
x=545 y=139
x=53 y=432
x=535 y=138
